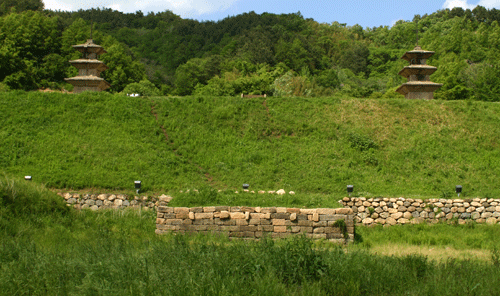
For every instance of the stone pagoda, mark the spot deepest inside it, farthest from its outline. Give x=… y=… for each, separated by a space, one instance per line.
x=419 y=85
x=89 y=68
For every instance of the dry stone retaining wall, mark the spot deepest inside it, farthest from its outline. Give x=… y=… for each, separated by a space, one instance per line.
x=391 y=211
x=254 y=222
x=113 y=201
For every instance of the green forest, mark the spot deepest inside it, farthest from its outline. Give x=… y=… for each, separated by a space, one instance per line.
x=279 y=55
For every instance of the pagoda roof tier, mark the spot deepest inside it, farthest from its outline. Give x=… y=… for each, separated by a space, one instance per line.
x=417 y=70
x=92 y=63
x=418 y=86
x=82 y=78
x=90 y=46
x=88 y=81
x=417 y=52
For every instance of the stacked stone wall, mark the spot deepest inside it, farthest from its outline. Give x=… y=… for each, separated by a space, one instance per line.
x=254 y=222
x=391 y=211
x=113 y=201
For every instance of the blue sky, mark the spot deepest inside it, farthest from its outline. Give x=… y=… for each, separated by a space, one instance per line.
x=367 y=13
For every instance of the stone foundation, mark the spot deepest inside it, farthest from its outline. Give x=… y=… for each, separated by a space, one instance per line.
x=336 y=225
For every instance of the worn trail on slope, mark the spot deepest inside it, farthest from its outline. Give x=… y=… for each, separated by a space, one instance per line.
x=153 y=111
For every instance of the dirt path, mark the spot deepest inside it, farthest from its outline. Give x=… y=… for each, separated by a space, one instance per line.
x=171 y=144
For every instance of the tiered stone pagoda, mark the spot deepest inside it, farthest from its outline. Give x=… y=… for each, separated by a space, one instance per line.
x=419 y=85
x=89 y=68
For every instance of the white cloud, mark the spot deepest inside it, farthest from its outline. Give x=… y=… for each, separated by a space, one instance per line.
x=489 y=3
x=458 y=3
x=115 y=6
x=57 y=5
x=184 y=8
x=465 y=5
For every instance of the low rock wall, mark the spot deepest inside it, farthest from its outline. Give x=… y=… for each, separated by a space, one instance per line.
x=254 y=222
x=391 y=211
x=113 y=201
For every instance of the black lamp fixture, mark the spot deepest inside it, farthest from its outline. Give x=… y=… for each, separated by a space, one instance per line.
x=27 y=178
x=137 y=186
x=245 y=186
x=350 y=188
x=458 y=189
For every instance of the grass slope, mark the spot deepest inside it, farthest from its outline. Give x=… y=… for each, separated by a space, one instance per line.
x=384 y=148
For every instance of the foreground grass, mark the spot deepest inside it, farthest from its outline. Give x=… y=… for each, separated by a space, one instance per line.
x=393 y=147
x=50 y=250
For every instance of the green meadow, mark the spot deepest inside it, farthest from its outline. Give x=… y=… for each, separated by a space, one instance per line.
x=207 y=147
x=46 y=248
x=312 y=146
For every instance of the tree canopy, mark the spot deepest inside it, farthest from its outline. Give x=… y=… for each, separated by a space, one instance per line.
x=276 y=54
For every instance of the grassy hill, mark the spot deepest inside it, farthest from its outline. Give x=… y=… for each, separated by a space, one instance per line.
x=313 y=146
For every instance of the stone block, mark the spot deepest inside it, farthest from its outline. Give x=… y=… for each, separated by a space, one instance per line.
x=241 y=222
x=182 y=215
x=279 y=229
x=224 y=215
x=320 y=224
x=268 y=210
x=245 y=228
x=173 y=221
x=326 y=211
x=343 y=211
x=222 y=208
x=367 y=221
x=181 y=210
x=293 y=216
x=201 y=215
x=248 y=209
x=248 y=234
x=306 y=229
x=254 y=222
x=305 y=223
x=319 y=230
x=491 y=220
x=237 y=215
x=280 y=216
x=397 y=215
x=231 y=228
x=163 y=209
x=293 y=210
x=266 y=228
x=307 y=211
x=278 y=222
x=390 y=221
x=208 y=209
x=167 y=227
x=486 y=215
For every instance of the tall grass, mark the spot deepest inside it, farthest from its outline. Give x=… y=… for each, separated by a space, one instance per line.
x=117 y=253
x=384 y=148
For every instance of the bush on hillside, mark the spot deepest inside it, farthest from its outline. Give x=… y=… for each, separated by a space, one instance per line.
x=143 y=88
